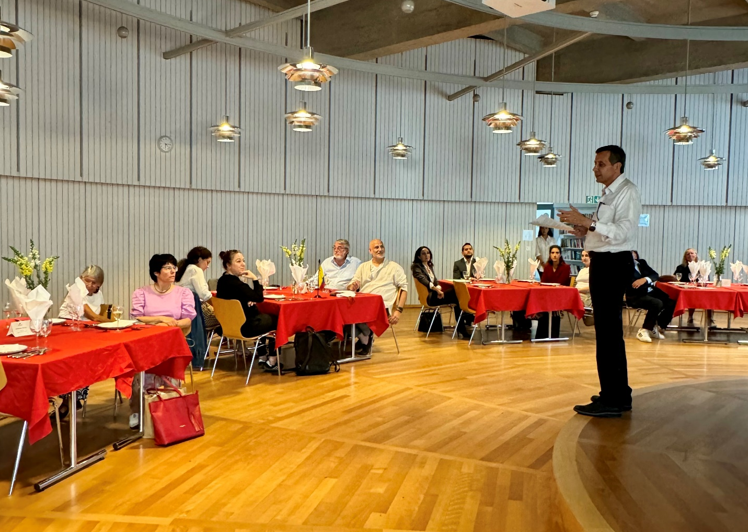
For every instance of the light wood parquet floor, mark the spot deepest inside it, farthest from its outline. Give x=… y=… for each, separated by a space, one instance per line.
x=440 y=437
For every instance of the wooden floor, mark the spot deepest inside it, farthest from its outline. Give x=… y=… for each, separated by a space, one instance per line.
x=440 y=437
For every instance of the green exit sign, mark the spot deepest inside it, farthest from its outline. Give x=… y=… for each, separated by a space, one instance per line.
x=592 y=199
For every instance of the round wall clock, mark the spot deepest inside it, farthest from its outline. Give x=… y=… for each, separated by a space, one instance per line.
x=165 y=144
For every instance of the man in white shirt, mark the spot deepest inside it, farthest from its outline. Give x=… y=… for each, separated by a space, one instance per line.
x=384 y=277
x=340 y=268
x=465 y=264
x=611 y=235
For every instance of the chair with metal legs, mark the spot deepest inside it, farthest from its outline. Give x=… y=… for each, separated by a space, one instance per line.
x=423 y=295
x=463 y=299
x=230 y=315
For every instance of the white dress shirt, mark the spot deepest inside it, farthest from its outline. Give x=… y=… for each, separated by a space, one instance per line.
x=384 y=280
x=339 y=277
x=542 y=249
x=194 y=279
x=583 y=283
x=617 y=218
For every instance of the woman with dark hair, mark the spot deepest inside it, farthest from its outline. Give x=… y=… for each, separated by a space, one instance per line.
x=191 y=274
x=543 y=243
x=241 y=284
x=423 y=272
x=555 y=271
x=162 y=304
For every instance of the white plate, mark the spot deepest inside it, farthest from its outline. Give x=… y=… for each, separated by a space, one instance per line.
x=275 y=296
x=551 y=284
x=11 y=349
x=56 y=321
x=271 y=288
x=121 y=324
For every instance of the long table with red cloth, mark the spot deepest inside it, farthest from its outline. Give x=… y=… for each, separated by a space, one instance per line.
x=732 y=298
x=79 y=359
x=326 y=313
x=533 y=298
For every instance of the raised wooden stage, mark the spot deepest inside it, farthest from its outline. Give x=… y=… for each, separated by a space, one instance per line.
x=440 y=437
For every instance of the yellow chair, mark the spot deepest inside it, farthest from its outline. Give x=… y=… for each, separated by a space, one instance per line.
x=463 y=299
x=573 y=281
x=423 y=295
x=230 y=315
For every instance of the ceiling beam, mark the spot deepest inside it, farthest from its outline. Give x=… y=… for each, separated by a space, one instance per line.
x=256 y=25
x=563 y=43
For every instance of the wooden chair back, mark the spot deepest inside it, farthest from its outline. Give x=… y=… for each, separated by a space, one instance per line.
x=463 y=296
x=423 y=293
x=573 y=281
x=230 y=315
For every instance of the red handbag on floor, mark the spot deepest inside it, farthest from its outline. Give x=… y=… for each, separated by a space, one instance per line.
x=176 y=419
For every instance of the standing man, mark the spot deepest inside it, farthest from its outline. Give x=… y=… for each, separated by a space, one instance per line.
x=340 y=268
x=465 y=264
x=611 y=235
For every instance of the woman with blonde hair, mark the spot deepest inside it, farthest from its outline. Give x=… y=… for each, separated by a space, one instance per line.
x=690 y=255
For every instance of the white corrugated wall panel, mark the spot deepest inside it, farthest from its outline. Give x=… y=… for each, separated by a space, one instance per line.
x=649 y=239
x=539 y=183
x=449 y=128
x=164 y=100
x=678 y=241
x=109 y=127
x=364 y=225
x=737 y=163
x=300 y=221
x=193 y=216
x=518 y=218
x=9 y=115
x=692 y=185
x=308 y=153
x=50 y=76
x=716 y=229
x=740 y=250
x=596 y=122
x=649 y=152
x=400 y=106
x=352 y=134
x=490 y=231
x=333 y=217
x=458 y=227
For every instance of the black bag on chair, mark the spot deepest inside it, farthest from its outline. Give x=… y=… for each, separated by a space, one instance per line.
x=426 y=317
x=313 y=354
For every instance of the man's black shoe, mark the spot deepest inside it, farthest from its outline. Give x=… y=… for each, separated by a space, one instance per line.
x=598 y=409
x=625 y=408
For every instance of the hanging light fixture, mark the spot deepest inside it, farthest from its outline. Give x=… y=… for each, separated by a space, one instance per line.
x=8 y=92
x=685 y=133
x=712 y=161
x=11 y=37
x=400 y=151
x=550 y=158
x=302 y=120
x=308 y=75
x=503 y=121
x=225 y=131
x=533 y=145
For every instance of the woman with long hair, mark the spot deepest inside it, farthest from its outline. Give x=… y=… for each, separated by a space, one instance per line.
x=555 y=271
x=191 y=274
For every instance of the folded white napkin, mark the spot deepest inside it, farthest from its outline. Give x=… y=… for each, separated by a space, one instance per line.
x=534 y=263
x=480 y=267
x=18 y=292
x=37 y=303
x=299 y=273
x=266 y=268
x=345 y=293
x=704 y=269
x=546 y=221
x=499 y=267
x=694 y=269
x=737 y=269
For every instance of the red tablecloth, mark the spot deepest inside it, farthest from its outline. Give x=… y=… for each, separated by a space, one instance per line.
x=733 y=299
x=79 y=359
x=532 y=298
x=328 y=313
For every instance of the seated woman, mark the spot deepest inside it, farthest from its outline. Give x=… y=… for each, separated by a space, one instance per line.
x=93 y=277
x=163 y=304
x=554 y=271
x=583 y=280
x=231 y=286
x=191 y=274
x=690 y=255
x=423 y=272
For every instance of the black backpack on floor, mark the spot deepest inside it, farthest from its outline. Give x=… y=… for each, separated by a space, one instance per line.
x=313 y=354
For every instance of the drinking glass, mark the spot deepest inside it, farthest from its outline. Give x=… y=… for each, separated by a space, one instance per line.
x=36 y=328
x=46 y=330
x=466 y=275
x=6 y=311
x=678 y=276
x=116 y=314
x=692 y=276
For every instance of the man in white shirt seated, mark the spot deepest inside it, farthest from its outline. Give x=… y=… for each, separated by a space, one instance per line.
x=340 y=268
x=465 y=264
x=383 y=277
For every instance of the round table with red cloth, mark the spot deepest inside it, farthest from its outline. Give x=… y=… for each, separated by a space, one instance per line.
x=79 y=359
x=533 y=298
x=733 y=298
x=326 y=313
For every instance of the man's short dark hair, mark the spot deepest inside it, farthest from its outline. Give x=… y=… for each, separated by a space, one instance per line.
x=617 y=155
x=466 y=244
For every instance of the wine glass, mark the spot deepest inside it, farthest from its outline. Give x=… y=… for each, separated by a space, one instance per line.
x=466 y=275
x=46 y=330
x=116 y=314
x=6 y=311
x=678 y=276
x=36 y=326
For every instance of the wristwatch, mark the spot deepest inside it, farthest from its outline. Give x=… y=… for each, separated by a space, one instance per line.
x=399 y=309
x=593 y=227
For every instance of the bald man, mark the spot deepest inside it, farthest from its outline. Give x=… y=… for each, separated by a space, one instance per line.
x=383 y=277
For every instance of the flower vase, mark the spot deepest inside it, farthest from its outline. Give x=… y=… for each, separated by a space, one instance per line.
x=717 y=280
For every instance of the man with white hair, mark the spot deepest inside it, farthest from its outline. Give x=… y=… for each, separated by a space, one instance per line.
x=383 y=277
x=340 y=268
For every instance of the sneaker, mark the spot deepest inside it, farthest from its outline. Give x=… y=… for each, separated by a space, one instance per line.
x=134 y=421
x=657 y=333
x=643 y=336
x=273 y=368
x=598 y=409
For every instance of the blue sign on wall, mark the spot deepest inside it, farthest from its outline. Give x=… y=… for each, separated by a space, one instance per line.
x=644 y=220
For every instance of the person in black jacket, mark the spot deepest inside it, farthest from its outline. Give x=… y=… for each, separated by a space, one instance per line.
x=467 y=260
x=232 y=286
x=644 y=294
x=423 y=272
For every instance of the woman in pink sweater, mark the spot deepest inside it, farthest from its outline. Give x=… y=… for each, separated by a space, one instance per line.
x=164 y=304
